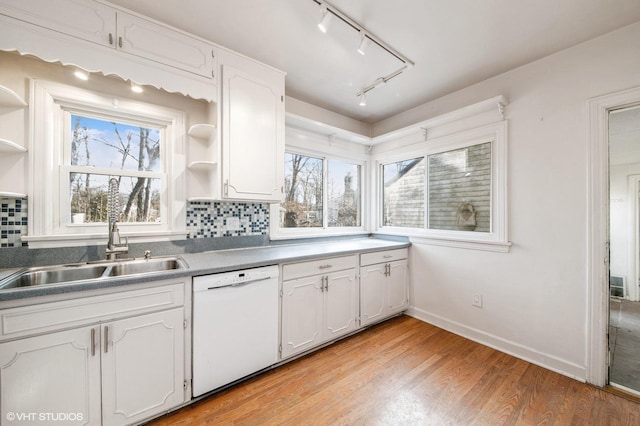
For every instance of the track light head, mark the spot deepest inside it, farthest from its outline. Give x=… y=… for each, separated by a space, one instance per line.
x=363 y=99
x=325 y=21
x=364 y=43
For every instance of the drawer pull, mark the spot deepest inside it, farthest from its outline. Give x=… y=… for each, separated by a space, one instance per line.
x=325 y=266
x=387 y=256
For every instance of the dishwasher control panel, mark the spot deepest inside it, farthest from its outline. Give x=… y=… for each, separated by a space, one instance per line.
x=225 y=279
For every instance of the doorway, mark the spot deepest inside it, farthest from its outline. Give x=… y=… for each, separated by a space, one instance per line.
x=624 y=238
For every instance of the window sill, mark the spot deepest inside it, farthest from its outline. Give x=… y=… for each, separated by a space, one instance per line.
x=465 y=243
x=74 y=240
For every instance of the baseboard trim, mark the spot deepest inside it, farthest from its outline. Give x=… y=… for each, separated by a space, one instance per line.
x=525 y=353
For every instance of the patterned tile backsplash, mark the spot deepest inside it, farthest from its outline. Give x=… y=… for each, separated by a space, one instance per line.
x=206 y=219
x=13 y=221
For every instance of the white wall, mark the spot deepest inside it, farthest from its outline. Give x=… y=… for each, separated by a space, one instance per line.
x=535 y=296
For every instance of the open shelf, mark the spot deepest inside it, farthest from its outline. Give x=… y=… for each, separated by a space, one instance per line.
x=9 y=98
x=8 y=146
x=202 y=131
x=202 y=165
x=5 y=194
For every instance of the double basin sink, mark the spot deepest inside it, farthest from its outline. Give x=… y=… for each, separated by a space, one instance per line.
x=90 y=271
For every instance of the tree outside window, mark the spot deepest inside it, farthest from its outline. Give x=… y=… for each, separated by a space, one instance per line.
x=320 y=192
x=101 y=149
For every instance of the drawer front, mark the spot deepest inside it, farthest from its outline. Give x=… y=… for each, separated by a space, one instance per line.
x=317 y=267
x=383 y=256
x=47 y=317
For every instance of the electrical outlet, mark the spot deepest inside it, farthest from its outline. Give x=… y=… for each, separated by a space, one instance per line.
x=233 y=223
x=477 y=300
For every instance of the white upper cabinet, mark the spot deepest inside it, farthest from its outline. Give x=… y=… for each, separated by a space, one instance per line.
x=86 y=20
x=252 y=120
x=152 y=41
x=69 y=32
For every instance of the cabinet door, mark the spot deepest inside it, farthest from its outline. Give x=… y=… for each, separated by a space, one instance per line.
x=161 y=44
x=341 y=304
x=302 y=315
x=373 y=293
x=87 y=20
x=142 y=366
x=397 y=287
x=252 y=137
x=51 y=373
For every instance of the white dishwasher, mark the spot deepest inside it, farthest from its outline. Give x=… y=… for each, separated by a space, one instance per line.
x=235 y=326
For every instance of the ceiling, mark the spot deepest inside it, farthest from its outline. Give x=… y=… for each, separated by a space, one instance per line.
x=453 y=43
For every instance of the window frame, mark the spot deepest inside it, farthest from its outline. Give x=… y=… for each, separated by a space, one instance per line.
x=496 y=239
x=277 y=232
x=51 y=107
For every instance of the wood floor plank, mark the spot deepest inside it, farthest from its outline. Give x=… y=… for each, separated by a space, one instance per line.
x=407 y=372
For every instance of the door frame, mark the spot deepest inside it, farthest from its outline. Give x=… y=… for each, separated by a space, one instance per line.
x=598 y=230
x=634 y=240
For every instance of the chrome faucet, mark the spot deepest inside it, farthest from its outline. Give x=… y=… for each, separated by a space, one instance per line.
x=114 y=244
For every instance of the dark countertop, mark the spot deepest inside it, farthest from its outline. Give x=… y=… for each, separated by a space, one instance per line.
x=213 y=262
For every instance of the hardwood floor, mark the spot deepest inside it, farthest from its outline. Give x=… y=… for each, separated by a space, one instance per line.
x=406 y=372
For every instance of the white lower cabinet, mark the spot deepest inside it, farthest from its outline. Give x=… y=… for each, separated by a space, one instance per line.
x=318 y=308
x=383 y=286
x=142 y=362
x=111 y=371
x=51 y=374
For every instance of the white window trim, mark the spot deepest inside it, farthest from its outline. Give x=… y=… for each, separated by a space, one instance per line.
x=46 y=163
x=313 y=145
x=496 y=239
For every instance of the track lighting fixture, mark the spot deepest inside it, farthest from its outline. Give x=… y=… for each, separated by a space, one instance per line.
x=325 y=21
x=363 y=99
x=364 y=44
x=366 y=38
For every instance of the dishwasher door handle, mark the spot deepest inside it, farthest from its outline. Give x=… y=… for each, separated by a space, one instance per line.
x=242 y=284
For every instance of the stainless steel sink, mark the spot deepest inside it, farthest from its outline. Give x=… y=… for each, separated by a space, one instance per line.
x=144 y=266
x=90 y=271
x=53 y=275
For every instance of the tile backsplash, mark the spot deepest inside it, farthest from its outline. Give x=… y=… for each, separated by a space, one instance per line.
x=206 y=219
x=13 y=221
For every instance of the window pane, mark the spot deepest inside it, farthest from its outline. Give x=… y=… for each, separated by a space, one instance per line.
x=302 y=206
x=460 y=189
x=403 y=193
x=120 y=146
x=343 y=187
x=139 y=198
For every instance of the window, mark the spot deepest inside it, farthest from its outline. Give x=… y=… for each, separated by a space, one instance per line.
x=81 y=140
x=98 y=150
x=453 y=188
x=320 y=193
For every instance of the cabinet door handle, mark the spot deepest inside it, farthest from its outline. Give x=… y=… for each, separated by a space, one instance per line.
x=106 y=339
x=322 y=284
x=111 y=39
x=93 y=342
x=120 y=42
x=326 y=283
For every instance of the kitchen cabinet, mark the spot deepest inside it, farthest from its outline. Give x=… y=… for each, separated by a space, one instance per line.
x=252 y=121
x=9 y=100
x=383 y=285
x=112 y=359
x=107 y=26
x=319 y=303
